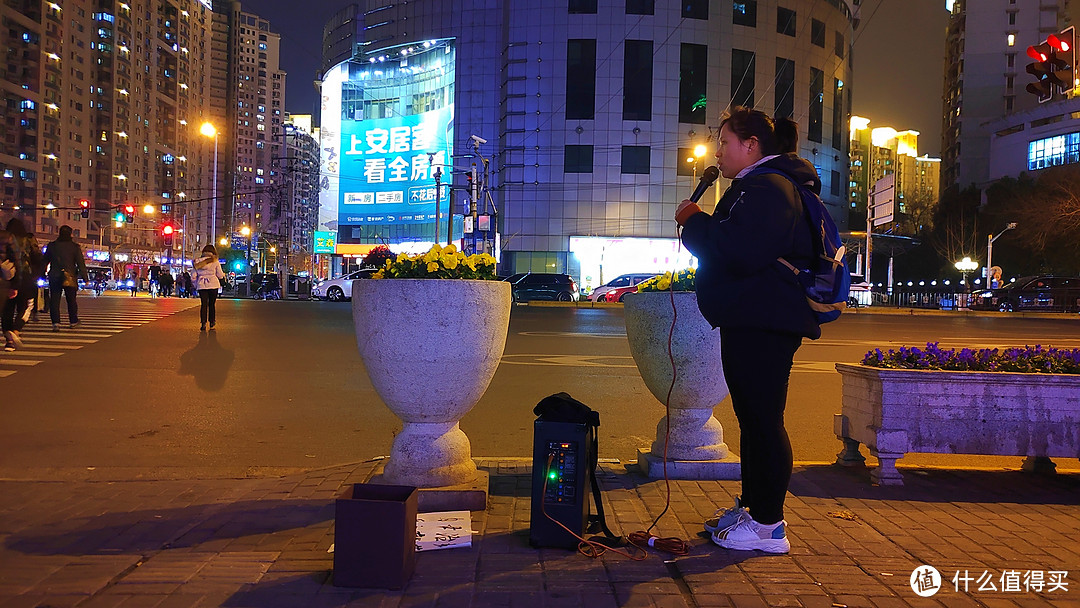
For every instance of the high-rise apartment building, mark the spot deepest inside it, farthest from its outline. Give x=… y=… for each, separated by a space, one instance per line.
x=252 y=112
x=103 y=102
x=299 y=184
x=102 y=90
x=985 y=76
x=877 y=152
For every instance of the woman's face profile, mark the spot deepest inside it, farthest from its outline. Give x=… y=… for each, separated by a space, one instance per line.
x=734 y=154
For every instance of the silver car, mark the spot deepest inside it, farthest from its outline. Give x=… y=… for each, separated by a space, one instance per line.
x=340 y=289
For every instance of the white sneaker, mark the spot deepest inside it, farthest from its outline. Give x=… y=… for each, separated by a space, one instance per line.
x=725 y=518
x=13 y=336
x=748 y=535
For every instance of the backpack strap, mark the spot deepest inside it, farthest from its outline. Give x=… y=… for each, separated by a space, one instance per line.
x=806 y=212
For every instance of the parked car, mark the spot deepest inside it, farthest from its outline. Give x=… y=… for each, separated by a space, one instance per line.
x=527 y=286
x=618 y=294
x=340 y=289
x=623 y=280
x=1040 y=293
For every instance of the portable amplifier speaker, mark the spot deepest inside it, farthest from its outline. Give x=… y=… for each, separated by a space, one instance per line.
x=562 y=452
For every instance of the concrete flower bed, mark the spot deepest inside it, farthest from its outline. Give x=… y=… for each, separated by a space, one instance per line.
x=897 y=411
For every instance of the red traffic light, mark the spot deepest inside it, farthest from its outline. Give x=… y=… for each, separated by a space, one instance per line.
x=85 y=204
x=1036 y=54
x=1058 y=43
x=167 y=229
x=129 y=209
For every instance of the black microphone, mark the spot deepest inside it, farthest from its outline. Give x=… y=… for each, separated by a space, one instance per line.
x=708 y=176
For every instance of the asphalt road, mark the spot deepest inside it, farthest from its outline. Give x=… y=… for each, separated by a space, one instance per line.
x=139 y=392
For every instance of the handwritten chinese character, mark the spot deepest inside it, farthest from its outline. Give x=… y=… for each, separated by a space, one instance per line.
x=986 y=582
x=445 y=537
x=450 y=527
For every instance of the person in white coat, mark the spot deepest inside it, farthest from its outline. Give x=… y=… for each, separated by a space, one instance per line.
x=208 y=275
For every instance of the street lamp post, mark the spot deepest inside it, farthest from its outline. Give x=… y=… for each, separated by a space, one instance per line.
x=965 y=266
x=990 y=248
x=246 y=232
x=209 y=130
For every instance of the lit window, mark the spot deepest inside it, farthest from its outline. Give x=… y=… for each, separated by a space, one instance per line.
x=1012 y=39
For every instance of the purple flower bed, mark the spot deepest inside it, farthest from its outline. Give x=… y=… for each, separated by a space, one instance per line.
x=1029 y=359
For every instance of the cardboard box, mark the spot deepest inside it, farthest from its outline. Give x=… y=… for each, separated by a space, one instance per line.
x=375 y=536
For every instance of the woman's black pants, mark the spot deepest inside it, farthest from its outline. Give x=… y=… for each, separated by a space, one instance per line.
x=207 y=308
x=757 y=365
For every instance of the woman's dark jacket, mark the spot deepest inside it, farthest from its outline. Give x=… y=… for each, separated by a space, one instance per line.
x=739 y=281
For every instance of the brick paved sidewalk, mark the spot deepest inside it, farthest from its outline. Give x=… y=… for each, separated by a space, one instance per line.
x=263 y=543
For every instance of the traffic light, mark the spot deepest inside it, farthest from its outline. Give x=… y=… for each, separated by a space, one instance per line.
x=1063 y=59
x=85 y=206
x=129 y=213
x=166 y=234
x=1040 y=68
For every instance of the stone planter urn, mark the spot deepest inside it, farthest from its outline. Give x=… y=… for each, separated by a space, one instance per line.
x=896 y=411
x=696 y=448
x=430 y=347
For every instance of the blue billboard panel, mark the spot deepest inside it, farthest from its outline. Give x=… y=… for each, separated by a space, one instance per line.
x=388 y=166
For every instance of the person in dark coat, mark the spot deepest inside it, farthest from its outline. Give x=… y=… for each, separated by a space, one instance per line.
x=759 y=308
x=66 y=265
x=30 y=264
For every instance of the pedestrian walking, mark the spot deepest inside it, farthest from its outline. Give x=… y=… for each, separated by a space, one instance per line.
x=166 y=280
x=208 y=275
x=759 y=307
x=133 y=282
x=189 y=285
x=29 y=264
x=8 y=272
x=66 y=264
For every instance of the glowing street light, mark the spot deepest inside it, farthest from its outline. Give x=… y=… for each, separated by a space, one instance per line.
x=148 y=209
x=209 y=130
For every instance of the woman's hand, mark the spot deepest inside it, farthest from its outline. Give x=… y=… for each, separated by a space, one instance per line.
x=685 y=210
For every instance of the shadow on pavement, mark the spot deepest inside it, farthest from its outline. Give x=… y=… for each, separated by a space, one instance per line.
x=157 y=529
x=939 y=485
x=208 y=362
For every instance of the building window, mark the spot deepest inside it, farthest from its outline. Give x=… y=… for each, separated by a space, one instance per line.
x=1009 y=81
x=785 y=21
x=578 y=159
x=838 y=121
x=1012 y=18
x=635 y=159
x=582 y=7
x=834 y=184
x=695 y=9
x=637 y=80
x=817 y=33
x=839 y=47
x=742 y=78
x=1011 y=39
x=744 y=13
x=1053 y=151
x=640 y=7
x=784 y=96
x=1009 y=103
x=693 y=75
x=1010 y=61
x=817 y=105
x=581 y=79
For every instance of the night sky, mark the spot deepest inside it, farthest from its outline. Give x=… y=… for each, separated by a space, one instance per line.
x=899 y=59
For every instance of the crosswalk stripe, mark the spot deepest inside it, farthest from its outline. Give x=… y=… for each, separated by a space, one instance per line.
x=31 y=345
x=4 y=373
x=20 y=362
x=38 y=338
x=23 y=353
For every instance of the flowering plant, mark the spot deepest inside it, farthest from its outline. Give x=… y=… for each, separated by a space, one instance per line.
x=1029 y=359
x=683 y=281
x=438 y=263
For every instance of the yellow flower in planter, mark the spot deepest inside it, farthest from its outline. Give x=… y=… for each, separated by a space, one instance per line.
x=439 y=263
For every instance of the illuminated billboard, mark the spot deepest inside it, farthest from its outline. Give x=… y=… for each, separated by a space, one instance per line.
x=325 y=241
x=387 y=167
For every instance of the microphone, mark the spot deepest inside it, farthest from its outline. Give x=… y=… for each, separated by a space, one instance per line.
x=708 y=176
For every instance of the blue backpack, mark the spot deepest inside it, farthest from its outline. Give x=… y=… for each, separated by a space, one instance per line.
x=827 y=282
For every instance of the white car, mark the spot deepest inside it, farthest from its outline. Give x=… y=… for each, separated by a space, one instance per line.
x=340 y=289
x=623 y=280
